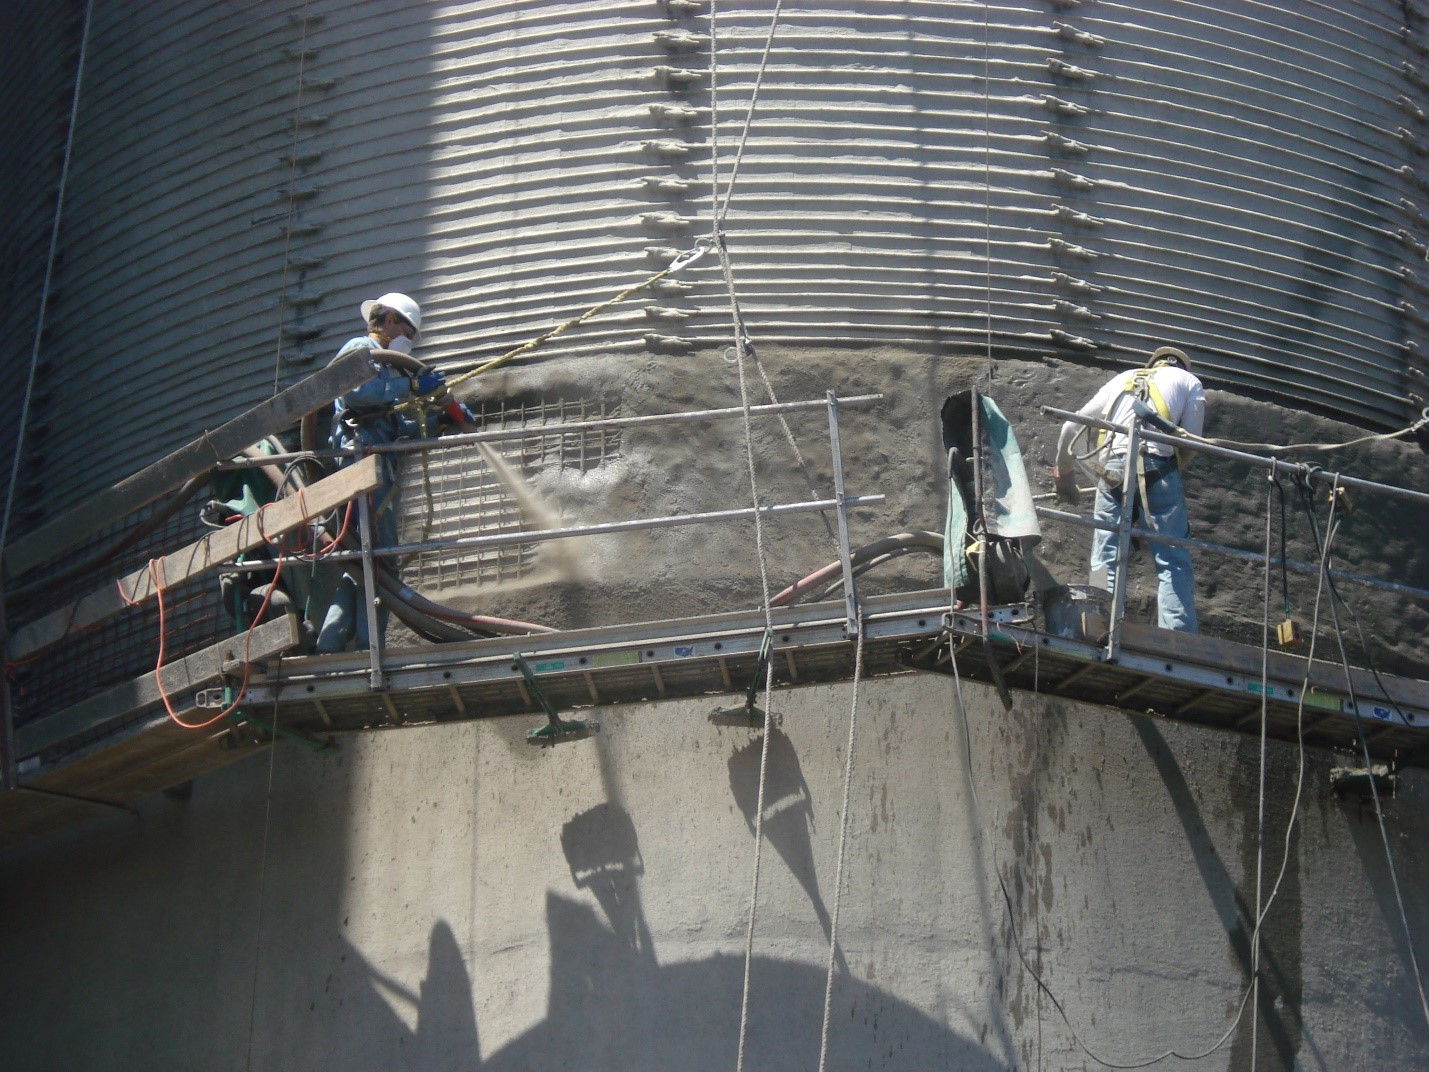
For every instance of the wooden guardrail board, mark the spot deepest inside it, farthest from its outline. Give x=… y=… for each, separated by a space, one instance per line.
x=281 y=411
x=214 y=549
x=179 y=678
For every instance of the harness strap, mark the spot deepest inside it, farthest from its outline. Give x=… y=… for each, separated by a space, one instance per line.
x=1140 y=384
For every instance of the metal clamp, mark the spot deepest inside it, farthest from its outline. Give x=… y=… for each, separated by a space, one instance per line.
x=689 y=257
x=556 y=729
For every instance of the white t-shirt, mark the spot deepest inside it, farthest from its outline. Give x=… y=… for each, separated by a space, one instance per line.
x=1185 y=401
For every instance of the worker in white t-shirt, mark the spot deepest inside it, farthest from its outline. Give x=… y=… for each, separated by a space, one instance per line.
x=1167 y=385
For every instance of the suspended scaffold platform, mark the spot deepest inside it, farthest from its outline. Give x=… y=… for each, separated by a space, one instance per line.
x=1199 y=680
x=207 y=707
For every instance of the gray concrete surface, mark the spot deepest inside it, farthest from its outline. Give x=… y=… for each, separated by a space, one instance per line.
x=896 y=450
x=450 y=898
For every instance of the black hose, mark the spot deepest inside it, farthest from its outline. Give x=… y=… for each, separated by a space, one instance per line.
x=427 y=618
x=903 y=542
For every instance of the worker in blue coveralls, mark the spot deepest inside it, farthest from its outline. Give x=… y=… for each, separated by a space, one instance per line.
x=365 y=417
x=1168 y=387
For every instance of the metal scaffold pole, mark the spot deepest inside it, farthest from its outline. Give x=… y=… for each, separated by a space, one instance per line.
x=845 y=555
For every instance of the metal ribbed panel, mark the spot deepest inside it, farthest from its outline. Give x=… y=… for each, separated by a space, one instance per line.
x=1062 y=179
x=37 y=84
x=165 y=316
x=1246 y=191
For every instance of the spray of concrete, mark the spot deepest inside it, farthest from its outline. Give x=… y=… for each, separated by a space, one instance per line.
x=560 y=559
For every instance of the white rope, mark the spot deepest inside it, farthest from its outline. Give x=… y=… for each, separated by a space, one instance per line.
x=723 y=207
x=1282 y=447
x=741 y=353
x=49 y=279
x=1007 y=897
x=1330 y=532
x=794 y=446
x=720 y=209
x=769 y=672
x=843 y=841
x=1260 y=814
x=714 y=119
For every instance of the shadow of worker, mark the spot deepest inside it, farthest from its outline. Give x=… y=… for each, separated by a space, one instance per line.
x=788 y=814
x=603 y=852
x=446 y=1035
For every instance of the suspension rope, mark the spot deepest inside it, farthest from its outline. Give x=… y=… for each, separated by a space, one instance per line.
x=843 y=841
x=723 y=208
x=769 y=675
x=720 y=210
x=1330 y=533
x=741 y=354
x=1378 y=437
x=1272 y=486
x=48 y=282
x=1261 y=913
x=789 y=438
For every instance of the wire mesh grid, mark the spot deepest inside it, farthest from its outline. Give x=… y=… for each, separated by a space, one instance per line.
x=87 y=661
x=469 y=498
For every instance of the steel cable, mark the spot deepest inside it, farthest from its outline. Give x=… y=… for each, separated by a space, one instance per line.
x=843 y=841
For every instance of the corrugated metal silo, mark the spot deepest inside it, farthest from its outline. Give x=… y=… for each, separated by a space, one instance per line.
x=1030 y=178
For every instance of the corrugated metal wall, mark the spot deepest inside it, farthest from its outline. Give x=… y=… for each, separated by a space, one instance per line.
x=1034 y=177
x=37 y=87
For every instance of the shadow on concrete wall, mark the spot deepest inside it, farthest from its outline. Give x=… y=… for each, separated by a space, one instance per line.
x=788 y=813
x=1279 y=1032
x=613 y=1008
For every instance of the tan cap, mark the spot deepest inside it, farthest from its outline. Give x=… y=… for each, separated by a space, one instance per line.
x=1164 y=354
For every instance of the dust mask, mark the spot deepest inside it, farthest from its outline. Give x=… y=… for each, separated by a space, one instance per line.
x=401 y=344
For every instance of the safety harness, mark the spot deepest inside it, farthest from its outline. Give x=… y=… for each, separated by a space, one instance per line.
x=1140 y=385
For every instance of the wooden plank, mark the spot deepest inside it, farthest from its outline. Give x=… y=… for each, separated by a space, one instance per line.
x=26 y=816
x=124 y=769
x=180 y=677
x=151 y=758
x=214 y=549
x=128 y=751
x=174 y=768
x=281 y=411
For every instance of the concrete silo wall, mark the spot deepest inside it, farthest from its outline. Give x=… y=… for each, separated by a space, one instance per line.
x=918 y=211
x=450 y=898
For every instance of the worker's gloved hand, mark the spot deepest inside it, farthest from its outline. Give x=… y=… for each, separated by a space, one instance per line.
x=455 y=414
x=429 y=381
x=1066 y=484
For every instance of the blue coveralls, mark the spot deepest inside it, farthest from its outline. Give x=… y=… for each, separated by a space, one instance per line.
x=364 y=417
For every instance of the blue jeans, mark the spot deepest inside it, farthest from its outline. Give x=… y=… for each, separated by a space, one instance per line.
x=1163 y=512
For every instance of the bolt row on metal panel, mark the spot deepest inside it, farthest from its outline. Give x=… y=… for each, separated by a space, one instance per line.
x=1021 y=178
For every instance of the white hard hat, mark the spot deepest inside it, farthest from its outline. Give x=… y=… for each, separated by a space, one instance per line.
x=400 y=304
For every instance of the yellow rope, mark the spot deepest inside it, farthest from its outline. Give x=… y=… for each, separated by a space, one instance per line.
x=420 y=403
x=682 y=261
